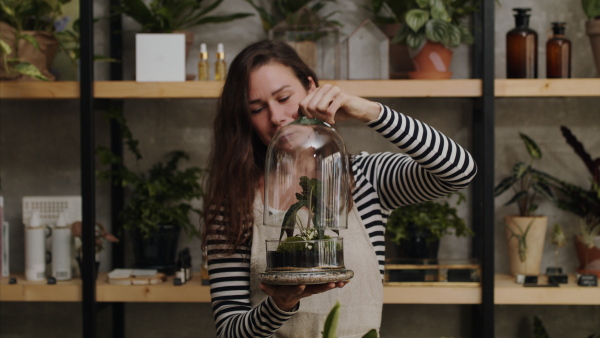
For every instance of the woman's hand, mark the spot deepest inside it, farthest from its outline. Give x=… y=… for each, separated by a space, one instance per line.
x=286 y=297
x=330 y=104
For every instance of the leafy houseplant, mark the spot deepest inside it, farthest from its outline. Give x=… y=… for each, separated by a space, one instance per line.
x=431 y=29
x=292 y=14
x=27 y=36
x=168 y=16
x=331 y=324
x=526 y=232
x=437 y=21
x=527 y=182
x=313 y=36
x=158 y=202
x=415 y=225
x=583 y=202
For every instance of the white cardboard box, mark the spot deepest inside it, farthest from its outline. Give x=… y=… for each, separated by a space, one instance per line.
x=160 y=57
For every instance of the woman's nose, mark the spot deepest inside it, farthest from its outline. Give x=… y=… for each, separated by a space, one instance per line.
x=278 y=116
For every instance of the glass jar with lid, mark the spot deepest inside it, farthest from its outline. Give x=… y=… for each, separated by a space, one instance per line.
x=307 y=195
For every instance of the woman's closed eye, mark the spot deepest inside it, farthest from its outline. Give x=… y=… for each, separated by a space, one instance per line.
x=256 y=110
x=284 y=99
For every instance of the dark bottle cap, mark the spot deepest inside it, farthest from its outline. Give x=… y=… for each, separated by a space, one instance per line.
x=558 y=28
x=522 y=16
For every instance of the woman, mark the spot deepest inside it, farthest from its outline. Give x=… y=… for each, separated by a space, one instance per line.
x=267 y=87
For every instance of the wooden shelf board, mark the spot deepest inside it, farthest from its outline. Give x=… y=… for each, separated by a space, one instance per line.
x=506 y=291
x=39 y=90
x=547 y=87
x=588 y=87
x=26 y=291
x=431 y=294
x=212 y=89
x=166 y=292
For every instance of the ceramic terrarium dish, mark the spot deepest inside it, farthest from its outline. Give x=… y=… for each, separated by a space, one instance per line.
x=307 y=196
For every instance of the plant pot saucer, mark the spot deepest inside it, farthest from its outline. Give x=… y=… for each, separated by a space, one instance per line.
x=305 y=277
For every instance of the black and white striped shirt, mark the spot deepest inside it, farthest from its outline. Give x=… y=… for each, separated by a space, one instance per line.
x=430 y=166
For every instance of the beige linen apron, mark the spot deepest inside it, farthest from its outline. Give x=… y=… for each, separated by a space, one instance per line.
x=361 y=300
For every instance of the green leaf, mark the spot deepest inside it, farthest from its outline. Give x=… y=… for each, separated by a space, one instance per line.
x=437 y=31
x=517 y=196
x=504 y=185
x=422 y=3
x=539 y=331
x=544 y=189
x=532 y=148
x=440 y=13
x=466 y=35
x=414 y=40
x=5 y=48
x=591 y=8
x=29 y=38
x=520 y=169
x=454 y=36
x=371 y=334
x=416 y=18
x=331 y=323
x=27 y=68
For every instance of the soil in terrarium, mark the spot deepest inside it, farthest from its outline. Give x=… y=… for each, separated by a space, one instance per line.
x=297 y=254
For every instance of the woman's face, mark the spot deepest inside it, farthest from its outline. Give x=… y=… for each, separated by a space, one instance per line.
x=274 y=96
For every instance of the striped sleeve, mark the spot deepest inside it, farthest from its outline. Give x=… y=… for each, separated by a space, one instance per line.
x=229 y=276
x=430 y=166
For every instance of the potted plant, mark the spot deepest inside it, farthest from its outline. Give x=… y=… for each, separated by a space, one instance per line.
x=158 y=202
x=27 y=41
x=583 y=202
x=591 y=8
x=168 y=16
x=526 y=231
x=416 y=229
x=432 y=28
x=315 y=37
x=101 y=235
x=388 y=15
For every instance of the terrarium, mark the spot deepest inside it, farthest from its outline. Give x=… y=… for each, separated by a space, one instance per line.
x=307 y=196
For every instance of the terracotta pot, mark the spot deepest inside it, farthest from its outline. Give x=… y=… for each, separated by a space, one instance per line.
x=589 y=258
x=42 y=59
x=400 y=61
x=592 y=29
x=534 y=243
x=432 y=57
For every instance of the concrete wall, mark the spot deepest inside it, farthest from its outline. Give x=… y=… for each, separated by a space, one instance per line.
x=39 y=155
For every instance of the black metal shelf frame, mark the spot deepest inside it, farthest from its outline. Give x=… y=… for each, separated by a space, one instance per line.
x=482 y=187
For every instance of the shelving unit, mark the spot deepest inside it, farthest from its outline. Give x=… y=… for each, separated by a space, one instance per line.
x=496 y=289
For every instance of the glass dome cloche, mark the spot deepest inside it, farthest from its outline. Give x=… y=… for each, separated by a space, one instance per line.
x=307 y=196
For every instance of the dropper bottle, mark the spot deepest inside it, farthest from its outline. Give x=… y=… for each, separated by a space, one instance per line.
x=203 y=63
x=220 y=65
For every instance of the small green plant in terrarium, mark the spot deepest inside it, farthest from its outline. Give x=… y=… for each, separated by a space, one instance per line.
x=310 y=198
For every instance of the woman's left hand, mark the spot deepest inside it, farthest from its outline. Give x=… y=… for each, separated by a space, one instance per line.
x=331 y=104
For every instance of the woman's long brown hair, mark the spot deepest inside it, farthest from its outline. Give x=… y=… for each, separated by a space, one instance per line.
x=237 y=159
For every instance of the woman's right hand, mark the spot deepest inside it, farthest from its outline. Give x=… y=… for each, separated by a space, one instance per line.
x=286 y=297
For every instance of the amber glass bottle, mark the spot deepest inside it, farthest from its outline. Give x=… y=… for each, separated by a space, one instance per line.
x=521 y=48
x=558 y=53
